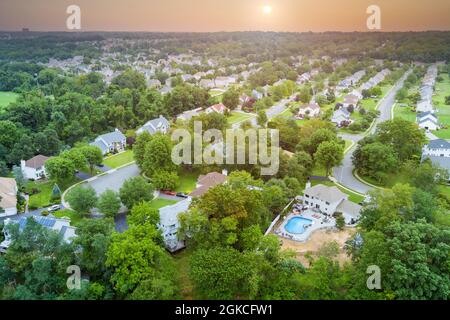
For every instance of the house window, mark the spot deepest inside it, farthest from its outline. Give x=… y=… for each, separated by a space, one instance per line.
x=306 y=195
x=327 y=203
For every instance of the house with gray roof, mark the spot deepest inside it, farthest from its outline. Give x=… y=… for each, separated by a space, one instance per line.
x=341 y=116
x=330 y=200
x=437 y=148
x=61 y=226
x=111 y=142
x=428 y=121
x=169 y=224
x=161 y=125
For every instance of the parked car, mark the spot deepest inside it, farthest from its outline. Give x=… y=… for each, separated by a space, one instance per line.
x=182 y=195
x=54 y=208
x=169 y=193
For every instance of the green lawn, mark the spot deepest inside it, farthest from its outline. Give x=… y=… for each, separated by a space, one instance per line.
x=6 y=98
x=43 y=198
x=188 y=182
x=442 y=90
x=74 y=217
x=445 y=191
x=159 y=203
x=120 y=159
x=237 y=117
x=404 y=113
x=182 y=265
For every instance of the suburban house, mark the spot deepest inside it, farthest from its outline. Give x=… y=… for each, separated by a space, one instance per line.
x=340 y=117
x=311 y=110
x=257 y=95
x=61 y=226
x=426 y=90
x=34 y=168
x=169 y=224
x=374 y=81
x=188 y=115
x=217 y=108
x=350 y=100
x=153 y=83
x=206 y=182
x=437 y=148
x=154 y=126
x=428 y=121
x=223 y=82
x=111 y=142
x=206 y=83
x=438 y=151
x=351 y=81
x=330 y=200
x=8 y=197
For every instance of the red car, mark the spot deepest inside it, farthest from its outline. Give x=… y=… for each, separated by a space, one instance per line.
x=169 y=193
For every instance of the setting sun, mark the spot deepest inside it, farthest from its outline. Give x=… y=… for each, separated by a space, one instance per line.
x=267 y=9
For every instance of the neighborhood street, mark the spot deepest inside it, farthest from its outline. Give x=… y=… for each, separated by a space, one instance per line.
x=344 y=173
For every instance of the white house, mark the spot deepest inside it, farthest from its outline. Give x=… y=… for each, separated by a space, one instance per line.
x=8 y=197
x=34 y=168
x=311 y=110
x=169 y=224
x=350 y=100
x=437 y=148
x=111 y=142
x=188 y=115
x=154 y=126
x=341 y=116
x=428 y=121
x=61 y=226
x=330 y=200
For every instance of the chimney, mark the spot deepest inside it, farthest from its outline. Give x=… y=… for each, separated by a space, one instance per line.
x=308 y=184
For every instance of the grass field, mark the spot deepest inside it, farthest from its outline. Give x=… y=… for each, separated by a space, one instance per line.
x=74 y=217
x=237 y=117
x=43 y=198
x=442 y=90
x=404 y=113
x=188 y=182
x=6 y=98
x=182 y=266
x=159 y=203
x=119 y=159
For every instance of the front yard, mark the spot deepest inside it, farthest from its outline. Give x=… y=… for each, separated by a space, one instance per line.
x=42 y=198
x=237 y=117
x=188 y=182
x=119 y=159
x=442 y=91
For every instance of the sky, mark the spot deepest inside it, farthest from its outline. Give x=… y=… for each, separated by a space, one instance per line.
x=225 y=15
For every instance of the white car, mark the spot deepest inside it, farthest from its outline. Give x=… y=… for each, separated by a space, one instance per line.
x=54 y=208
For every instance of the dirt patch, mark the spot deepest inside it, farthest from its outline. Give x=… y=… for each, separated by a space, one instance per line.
x=316 y=241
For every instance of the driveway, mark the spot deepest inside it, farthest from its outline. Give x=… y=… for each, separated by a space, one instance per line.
x=114 y=179
x=344 y=173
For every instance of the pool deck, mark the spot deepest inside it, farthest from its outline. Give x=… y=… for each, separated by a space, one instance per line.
x=318 y=223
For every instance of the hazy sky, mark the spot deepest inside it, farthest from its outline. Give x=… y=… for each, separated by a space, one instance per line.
x=225 y=15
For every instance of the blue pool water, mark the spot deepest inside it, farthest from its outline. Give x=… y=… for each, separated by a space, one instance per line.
x=297 y=225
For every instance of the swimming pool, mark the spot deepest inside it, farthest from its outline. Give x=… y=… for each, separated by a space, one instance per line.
x=296 y=225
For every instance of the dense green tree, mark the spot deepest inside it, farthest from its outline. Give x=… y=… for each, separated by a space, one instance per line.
x=135 y=190
x=60 y=169
x=109 y=203
x=82 y=199
x=329 y=154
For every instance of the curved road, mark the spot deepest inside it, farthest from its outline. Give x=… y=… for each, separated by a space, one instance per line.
x=344 y=173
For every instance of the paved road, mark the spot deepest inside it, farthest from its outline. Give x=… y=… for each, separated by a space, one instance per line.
x=272 y=112
x=113 y=180
x=344 y=173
